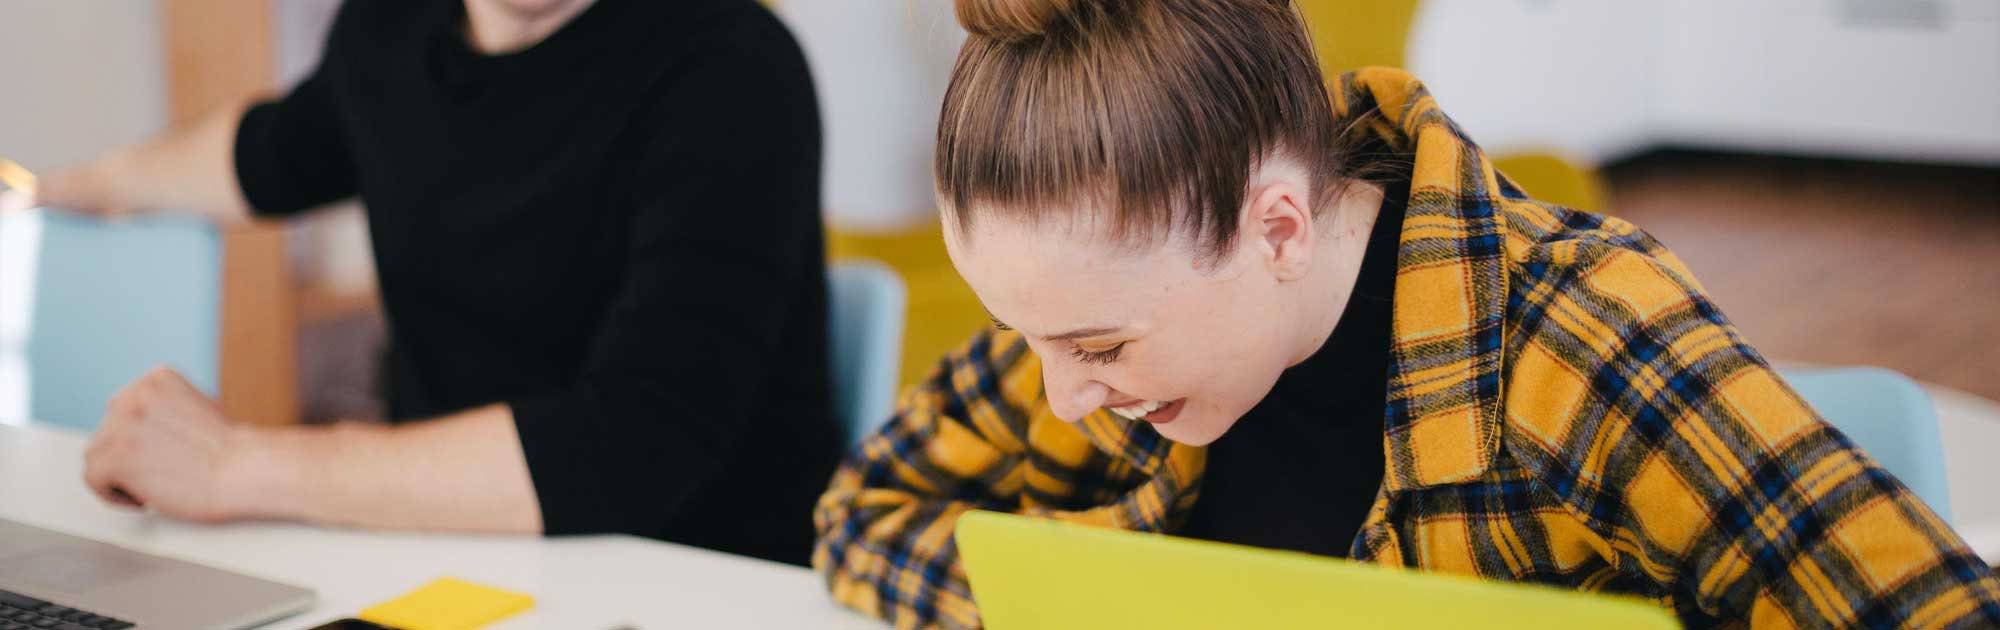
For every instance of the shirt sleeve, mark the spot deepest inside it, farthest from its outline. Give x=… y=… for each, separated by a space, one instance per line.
x=1714 y=481
x=725 y=223
x=978 y=434
x=292 y=153
x=885 y=523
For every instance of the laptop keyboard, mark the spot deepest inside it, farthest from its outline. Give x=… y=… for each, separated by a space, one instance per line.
x=21 y=612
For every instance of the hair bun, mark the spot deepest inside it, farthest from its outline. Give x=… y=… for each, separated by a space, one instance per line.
x=1012 y=19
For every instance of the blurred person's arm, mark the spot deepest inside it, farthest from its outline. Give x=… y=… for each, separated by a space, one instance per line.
x=265 y=159
x=977 y=434
x=190 y=169
x=883 y=526
x=165 y=446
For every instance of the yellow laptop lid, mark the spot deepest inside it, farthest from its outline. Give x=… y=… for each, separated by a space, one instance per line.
x=1030 y=573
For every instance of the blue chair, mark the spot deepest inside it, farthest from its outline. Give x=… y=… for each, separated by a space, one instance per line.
x=1889 y=416
x=865 y=327
x=114 y=300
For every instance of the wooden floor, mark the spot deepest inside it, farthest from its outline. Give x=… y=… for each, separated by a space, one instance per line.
x=1836 y=262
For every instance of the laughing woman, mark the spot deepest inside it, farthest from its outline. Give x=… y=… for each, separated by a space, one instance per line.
x=1234 y=302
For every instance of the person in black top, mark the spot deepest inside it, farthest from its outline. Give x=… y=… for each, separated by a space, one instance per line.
x=596 y=225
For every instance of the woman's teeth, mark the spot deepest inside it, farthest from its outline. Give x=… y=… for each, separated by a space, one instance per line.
x=1139 y=410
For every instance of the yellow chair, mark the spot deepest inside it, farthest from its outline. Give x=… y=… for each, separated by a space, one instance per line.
x=942 y=310
x=1350 y=34
x=1548 y=177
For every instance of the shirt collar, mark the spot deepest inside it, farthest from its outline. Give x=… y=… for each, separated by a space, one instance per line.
x=1443 y=416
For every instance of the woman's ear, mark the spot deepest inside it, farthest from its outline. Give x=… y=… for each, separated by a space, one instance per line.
x=1277 y=228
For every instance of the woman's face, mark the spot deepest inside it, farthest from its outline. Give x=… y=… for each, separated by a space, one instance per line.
x=1151 y=335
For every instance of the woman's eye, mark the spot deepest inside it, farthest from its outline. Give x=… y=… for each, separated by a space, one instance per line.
x=1099 y=357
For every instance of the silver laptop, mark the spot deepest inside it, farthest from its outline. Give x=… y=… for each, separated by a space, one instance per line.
x=89 y=584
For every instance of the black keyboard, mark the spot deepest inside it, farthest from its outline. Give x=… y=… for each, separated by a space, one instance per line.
x=21 y=612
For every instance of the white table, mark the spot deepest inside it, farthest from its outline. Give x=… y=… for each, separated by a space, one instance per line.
x=584 y=583
x=601 y=582
x=1970 y=428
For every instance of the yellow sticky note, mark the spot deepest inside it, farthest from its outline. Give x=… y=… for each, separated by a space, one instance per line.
x=448 y=604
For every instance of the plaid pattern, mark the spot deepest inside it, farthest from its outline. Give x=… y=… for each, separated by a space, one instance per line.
x=1566 y=406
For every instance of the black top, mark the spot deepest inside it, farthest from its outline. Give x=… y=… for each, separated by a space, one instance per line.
x=615 y=231
x=1300 y=470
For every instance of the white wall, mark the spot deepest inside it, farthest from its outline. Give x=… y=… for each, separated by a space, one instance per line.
x=1838 y=77
x=76 y=77
x=880 y=67
x=1914 y=80
x=1575 y=77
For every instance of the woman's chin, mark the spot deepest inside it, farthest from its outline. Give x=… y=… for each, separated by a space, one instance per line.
x=1193 y=428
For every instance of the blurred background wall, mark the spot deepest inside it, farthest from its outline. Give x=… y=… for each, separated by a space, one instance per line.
x=77 y=78
x=1829 y=168
x=49 y=117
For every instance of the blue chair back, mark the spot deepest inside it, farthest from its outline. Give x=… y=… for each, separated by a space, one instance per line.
x=1889 y=416
x=865 y=337
x=114 y=300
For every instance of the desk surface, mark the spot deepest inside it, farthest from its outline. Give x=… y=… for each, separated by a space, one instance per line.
x=601 y=582
x=585 y=583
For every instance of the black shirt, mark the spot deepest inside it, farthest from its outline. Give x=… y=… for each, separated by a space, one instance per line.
x=1301 y=469
x=614 y=231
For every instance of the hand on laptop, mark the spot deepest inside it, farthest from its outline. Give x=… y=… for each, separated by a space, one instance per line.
x=166 y=447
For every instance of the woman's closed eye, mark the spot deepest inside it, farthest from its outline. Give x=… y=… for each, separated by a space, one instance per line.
x=1100 y=357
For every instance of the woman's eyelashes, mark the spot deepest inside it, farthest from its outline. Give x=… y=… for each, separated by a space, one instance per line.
x=1100 y=357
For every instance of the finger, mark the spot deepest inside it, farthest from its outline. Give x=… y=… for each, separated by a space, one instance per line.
x=174 y=394
x=120 y=496
x=103 y=468
x=127 y=403
x=109 y=437
x=172 y=379
x=98 y=476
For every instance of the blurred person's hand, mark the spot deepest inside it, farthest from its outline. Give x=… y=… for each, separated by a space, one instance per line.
x=85 y=189
x=186 y=171
x=164 y=446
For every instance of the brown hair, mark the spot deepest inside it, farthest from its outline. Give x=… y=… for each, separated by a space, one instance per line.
x=1159 y=110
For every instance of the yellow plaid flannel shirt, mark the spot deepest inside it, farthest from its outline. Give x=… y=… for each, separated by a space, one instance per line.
x=1566 y=406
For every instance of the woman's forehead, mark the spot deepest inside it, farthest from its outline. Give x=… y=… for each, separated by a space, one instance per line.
x=1085 y=230
x=1039 y=279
